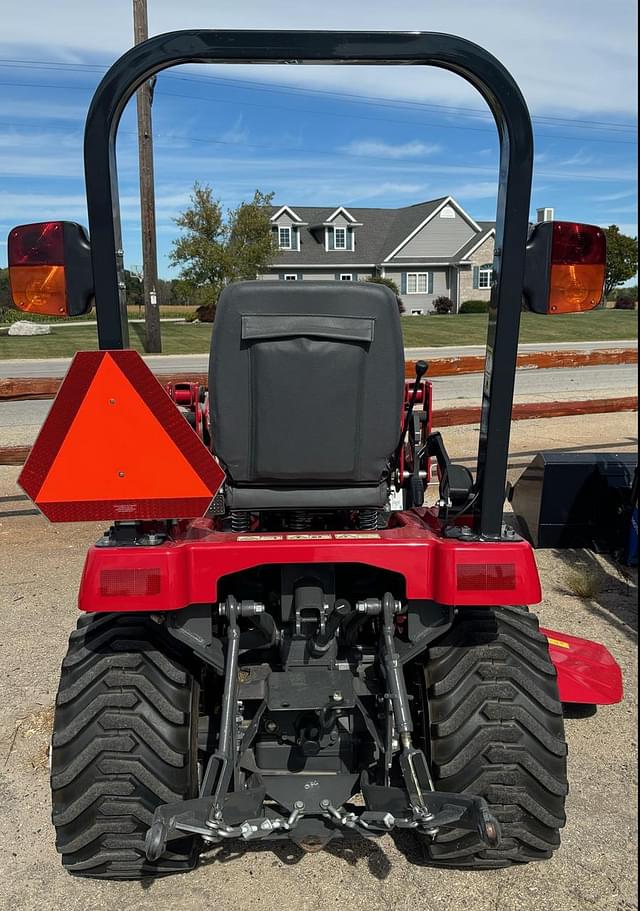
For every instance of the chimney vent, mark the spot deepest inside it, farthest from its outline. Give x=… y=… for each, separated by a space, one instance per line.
x=544 y=215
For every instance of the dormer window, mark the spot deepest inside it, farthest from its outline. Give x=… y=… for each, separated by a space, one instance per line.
x=340 y=237
x=340 y=230
x=284 y=238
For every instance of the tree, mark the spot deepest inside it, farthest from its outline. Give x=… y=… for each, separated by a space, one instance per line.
x=6 y=303
x=5 y=295
x=622 y=258
x=389 y=283
x=133 y=282
x=215 y=249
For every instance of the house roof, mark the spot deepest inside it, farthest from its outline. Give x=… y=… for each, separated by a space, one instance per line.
x=488 y=227
x=380 y=233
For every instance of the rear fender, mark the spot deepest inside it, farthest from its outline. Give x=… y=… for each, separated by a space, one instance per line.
x=587 y=671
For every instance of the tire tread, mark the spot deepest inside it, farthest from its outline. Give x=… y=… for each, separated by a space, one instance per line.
x=122 y=744
x=496 y=731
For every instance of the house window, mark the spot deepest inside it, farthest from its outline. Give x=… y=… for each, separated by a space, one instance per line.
x=290 y=277
x=417 y=282
x=484 y=276
x=346 y=277
x=340 y=238
x=284 y=238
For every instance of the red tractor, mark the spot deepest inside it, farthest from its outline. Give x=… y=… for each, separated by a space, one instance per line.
x=279 y=639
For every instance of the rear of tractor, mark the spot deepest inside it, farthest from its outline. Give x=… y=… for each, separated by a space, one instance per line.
x=279 y=639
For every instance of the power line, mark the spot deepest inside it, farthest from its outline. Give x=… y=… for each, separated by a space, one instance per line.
x=439 y=126
x=284 y=88
x=350 y=116
x=343 y=156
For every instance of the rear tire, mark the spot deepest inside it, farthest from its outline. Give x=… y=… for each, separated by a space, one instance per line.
x=496 y=731
x=124 y=741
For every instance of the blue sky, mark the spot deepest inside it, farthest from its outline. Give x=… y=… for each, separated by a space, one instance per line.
x=323 y=135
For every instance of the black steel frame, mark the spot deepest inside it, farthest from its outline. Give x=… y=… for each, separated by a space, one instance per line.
x=468 y=60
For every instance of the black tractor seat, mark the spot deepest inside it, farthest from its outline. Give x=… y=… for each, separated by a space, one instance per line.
x=306 y=384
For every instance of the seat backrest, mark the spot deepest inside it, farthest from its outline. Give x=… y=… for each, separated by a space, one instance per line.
x=306 y=382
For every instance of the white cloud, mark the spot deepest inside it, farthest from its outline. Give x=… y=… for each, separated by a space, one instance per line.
x=365 y=191
x=612 y=197
x=573 y=57
x=481 y=189
x=236 y=133
x=377 y=148
x=27 y=109
x=623 y=210
x=580 y=157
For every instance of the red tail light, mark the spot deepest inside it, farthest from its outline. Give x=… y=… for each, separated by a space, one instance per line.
x=483 y=577
x=37 y=245
x=125 y=583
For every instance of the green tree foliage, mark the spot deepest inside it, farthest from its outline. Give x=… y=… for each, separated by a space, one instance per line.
x=216 y=248
x=6 y=304
x=5 y=295
x=622 y=258
x=135 y=294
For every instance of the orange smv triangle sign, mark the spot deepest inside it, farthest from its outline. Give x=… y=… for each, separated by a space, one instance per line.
x=114 y=446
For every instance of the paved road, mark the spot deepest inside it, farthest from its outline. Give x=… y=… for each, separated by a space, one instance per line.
x=564 y=383
x=178 y=363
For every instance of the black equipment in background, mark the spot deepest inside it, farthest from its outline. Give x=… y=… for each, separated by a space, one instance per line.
x=576 y=499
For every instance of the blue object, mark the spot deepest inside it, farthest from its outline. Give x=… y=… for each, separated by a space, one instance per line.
x=632 y=546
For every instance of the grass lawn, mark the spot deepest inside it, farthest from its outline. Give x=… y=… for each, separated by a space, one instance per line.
x=419 y=331
x=599 y=325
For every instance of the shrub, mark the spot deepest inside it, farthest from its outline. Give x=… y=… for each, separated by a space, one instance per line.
x=474 y=307
x=626 y=299
x=584 y=582
x=10 y=315
x=205 y=313
x=443 y=305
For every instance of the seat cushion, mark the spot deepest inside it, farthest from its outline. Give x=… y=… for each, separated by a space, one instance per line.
x=306 y=383
x=248 y=498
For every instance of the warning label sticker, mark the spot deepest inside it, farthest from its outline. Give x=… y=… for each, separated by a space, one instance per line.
x=558 y=642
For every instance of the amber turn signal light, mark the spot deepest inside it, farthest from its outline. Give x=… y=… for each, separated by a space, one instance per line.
x=50 y=268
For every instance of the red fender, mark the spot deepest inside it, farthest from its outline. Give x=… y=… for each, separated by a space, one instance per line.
x=587 y=671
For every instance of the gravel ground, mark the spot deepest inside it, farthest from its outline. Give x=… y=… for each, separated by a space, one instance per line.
x=40 y=566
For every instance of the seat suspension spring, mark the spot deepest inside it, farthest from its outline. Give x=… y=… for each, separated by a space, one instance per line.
x=240 y=521
x=368 y=519
x=298 y=520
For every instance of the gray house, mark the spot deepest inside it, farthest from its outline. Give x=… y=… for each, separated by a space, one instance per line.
x=429 y=249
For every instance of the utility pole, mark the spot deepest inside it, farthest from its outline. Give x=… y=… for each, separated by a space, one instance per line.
x=144 y=99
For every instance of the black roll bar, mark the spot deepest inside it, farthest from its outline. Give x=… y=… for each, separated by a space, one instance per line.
x=458 y=55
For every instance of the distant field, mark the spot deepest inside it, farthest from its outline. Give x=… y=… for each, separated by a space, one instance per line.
x=419 y=331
